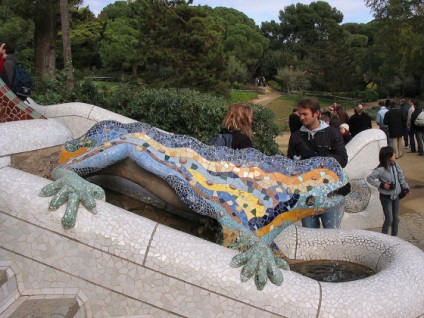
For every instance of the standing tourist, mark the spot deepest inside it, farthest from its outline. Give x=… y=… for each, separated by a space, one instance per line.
x=390 y=181
x=360 y=121
x=409 y=127
x=419 y=130
x=379 y=119
x=316 y=138
x=393 y=119
x=294 y=121
x=10 y=60
x=404 y=107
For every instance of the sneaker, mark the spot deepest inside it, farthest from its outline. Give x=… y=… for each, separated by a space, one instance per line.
x=406 y=147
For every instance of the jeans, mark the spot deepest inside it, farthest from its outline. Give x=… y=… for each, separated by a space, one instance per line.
x=412 y=140
x=419 y=135
x=391 y=214
x=386 y=131
x=332 y=219
x=406 y=138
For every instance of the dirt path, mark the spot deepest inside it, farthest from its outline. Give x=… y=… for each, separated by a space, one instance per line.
x=411 y=226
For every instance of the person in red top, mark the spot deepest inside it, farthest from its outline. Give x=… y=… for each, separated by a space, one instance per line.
x=1 y=58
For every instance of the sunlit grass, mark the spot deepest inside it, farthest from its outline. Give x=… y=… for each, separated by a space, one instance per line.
x=243 y=96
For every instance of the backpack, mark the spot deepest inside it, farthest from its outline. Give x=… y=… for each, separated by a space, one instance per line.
x=221 y=140
x=21 y=84
x=419 y=121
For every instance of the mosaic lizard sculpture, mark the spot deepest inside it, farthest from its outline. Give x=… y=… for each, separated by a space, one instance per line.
x=243 y=189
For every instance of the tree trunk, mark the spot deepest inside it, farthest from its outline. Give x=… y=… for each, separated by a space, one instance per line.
x=45 y=43
x=66 y=39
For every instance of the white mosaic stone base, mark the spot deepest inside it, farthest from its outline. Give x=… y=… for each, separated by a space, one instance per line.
x=127 y=265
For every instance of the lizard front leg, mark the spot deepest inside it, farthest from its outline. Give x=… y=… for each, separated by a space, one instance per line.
x=71 y=188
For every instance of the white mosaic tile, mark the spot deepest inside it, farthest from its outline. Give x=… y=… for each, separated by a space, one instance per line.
x=361 y=162
x=68 y=109
x=99 y=114
x=5 y=161
x=27 y=135
x=192 y=259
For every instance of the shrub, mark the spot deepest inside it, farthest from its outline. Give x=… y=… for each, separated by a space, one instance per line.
x=368 y=95
x=183 y=111
x=275 y=85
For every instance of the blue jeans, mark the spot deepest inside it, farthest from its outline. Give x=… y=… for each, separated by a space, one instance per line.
x=332 y=219
x=406 y=137
x=419 y=135
x=391 y=214
x=412 y=140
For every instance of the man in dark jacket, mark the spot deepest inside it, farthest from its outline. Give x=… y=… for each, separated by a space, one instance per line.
x=419 y=130
x=316 y=138
x=393 y=119
x=294 y=121
x=360 y=121
x=10 y=60
x=404 y=107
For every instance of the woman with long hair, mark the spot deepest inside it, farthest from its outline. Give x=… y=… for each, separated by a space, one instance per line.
x=389 y=179
x=238 y=122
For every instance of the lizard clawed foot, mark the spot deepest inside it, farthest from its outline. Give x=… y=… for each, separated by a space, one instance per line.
x=260 y=261
x=71 y=188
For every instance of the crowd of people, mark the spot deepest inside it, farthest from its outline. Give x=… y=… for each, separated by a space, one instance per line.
x=316 y=132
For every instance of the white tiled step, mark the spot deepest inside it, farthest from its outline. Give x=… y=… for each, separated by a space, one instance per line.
x=45 y=306
x=9 y=288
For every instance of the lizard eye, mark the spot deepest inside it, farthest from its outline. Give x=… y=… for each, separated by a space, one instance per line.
x=310 y=201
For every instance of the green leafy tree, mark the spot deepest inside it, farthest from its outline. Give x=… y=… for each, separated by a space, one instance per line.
x=236 y=71
x=293 y=80
x=400 y=42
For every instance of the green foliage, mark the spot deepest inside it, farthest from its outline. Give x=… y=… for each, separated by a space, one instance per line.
x=368 y=95
x=265 y=129
x=292 y=80
x=275 y=85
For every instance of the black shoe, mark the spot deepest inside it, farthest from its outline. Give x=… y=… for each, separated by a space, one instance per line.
x=412 y=151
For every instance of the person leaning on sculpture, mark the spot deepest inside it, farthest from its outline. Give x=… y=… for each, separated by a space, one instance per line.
x=294 y=121
x=316 y=138
x=359 y=121
x=393 y=119
x=238 y=122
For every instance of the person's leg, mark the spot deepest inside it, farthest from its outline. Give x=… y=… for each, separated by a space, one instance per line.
x=399 y=144
x=332 y=219
x=395 y=146
x=406 y=138
x=395 y=213
x=419 y=136
x=386 y=203
x=311 y=222
x=412 y=140
x=386 y=131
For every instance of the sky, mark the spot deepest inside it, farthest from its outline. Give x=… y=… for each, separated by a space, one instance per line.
x=267 y=10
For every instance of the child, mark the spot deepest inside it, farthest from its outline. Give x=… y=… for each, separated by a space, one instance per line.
x=388 y=178
x=344 y=129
